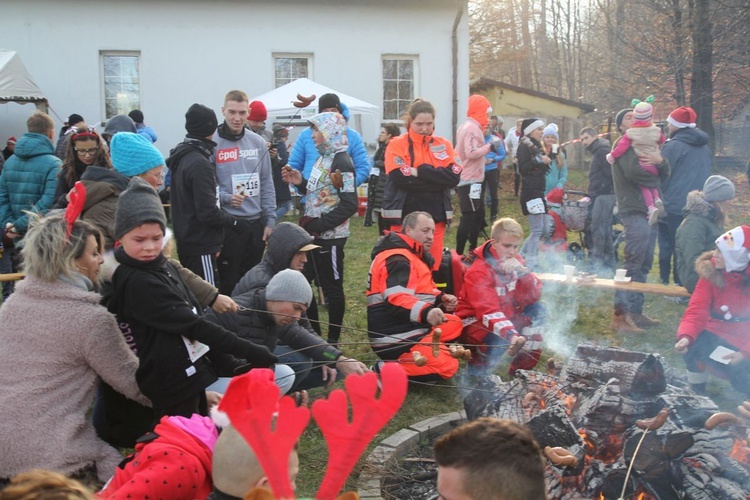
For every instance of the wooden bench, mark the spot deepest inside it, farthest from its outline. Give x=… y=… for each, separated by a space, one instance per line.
x=608 y=284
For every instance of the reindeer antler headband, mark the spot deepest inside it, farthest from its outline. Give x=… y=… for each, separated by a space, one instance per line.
x=272 y=426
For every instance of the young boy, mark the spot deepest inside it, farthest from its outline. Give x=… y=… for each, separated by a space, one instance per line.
x=161 y=319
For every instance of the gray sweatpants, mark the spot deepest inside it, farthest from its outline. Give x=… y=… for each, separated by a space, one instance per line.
x=602 y=251
x=640 y=242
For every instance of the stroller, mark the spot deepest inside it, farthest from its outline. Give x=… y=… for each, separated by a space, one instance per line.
x=575 y=216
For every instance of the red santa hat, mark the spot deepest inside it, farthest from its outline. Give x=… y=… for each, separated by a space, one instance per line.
x=556 y=195
x=682 y=117
x=11 y=140
x=734 y=246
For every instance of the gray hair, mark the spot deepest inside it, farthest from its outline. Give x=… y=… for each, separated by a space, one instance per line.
x=410 y=220
x=48 y=252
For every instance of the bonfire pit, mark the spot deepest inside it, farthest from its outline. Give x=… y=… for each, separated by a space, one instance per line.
x=608 y=411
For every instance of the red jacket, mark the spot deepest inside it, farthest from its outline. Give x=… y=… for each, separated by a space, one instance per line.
x=493 y=297
x=174 y=466
x=400 y=294
x=720 y=304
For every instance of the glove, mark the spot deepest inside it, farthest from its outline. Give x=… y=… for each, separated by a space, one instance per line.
x=259 y=356
x=496 y=144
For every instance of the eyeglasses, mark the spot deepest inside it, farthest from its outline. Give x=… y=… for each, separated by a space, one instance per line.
x=87 y=152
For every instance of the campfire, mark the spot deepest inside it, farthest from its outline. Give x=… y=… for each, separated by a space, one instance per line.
x=619 y=424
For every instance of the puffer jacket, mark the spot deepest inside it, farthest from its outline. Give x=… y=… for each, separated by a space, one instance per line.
x=720 y=304
x=696 y=235
x=628 y=177
x=689 y=159
x=600 y=171
x=28 y=180
x=304 y=153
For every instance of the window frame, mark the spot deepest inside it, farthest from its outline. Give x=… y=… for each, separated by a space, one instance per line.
x=119 y=53
x=414 y=58
x=291 y=55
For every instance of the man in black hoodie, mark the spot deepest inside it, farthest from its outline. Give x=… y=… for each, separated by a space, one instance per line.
x=198 y=221
x=602 y=193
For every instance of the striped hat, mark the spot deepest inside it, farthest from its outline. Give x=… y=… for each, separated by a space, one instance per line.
x=643 y=111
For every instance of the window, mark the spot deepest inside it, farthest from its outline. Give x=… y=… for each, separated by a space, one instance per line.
x=399 y=82
x=121 y=82
x=289 y=67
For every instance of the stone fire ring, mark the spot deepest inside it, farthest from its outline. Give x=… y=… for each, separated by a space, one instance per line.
x=398 y=444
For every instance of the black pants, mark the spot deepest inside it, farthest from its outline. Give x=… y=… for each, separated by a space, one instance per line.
x=516 y=178
x=242 y=249
x=667 y=248
x=203 y=265
x=491 y=185
x=472 y=219
x=697 y=360
x=326 y=268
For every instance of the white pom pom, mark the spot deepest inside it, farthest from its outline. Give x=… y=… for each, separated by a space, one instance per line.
x=728 y=316
x=724 y=308
x=220 y=418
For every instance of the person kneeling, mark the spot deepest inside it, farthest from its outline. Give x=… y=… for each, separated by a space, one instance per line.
x=404 y=309
x=499 y=298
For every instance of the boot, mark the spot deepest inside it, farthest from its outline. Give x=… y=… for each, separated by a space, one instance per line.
x=643 y=321
x=623 y=323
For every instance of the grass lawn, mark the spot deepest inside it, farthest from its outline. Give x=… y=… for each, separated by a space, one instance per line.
x=576 y=316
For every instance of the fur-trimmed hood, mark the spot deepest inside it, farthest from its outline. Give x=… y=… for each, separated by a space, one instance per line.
x=706 y=269
x=696 y=204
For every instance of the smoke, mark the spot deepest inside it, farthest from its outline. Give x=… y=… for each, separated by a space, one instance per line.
x=561 y=303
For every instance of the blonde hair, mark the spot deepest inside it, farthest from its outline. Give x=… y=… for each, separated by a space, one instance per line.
x=236 y=96
x=48 y=252
x=38 y=484
x=506 y=225
x=40 y=123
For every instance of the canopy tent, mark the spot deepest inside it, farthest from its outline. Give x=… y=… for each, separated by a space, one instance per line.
x=16 y=84
x=278 y=102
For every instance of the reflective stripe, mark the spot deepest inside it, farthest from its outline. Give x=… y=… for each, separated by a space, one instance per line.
x=416 y=309
x=397 y=289
x=468 y=321
x=375 y=298
x=500 y=326
x=397 y=338
x=488 y=317
x=697 y=377
x=427 y=297
x=449 y=214
x=533 y=345
x=392 y=214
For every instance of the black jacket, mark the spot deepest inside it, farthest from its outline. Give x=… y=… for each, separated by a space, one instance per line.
x=600 y=171
x=282 y=188
x=533 y=173
x=155 y=310
x=198 y=222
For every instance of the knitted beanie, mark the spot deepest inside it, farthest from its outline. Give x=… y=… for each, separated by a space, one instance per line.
x=621 y=115
x=329 y=101
x=682 y=117
x=137 y=205
x=718 y=188
x=258 y=112
x=11 y=140
x=133 y=154
x=734 y=246
x=74 y=118
x=117 y=124
x=643 y=111
x=551 y=129
x=289 y=286
x=200 y=121
x=136 y=115
x=531 y=124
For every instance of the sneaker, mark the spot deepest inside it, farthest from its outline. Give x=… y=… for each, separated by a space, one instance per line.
x=653 y=215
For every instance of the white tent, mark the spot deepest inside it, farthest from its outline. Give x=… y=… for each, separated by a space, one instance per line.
x=278 y=102
x=16 y=84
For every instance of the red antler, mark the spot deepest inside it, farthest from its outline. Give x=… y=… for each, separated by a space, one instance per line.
x=346 y=441
x=77 y=197
x=252 y=403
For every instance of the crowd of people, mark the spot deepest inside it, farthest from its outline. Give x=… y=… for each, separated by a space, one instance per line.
x=105 y=318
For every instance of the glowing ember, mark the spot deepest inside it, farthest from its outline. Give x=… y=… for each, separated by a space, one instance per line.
x=740 y=451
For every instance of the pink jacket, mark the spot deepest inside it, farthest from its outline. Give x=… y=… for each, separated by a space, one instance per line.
x=470 y=144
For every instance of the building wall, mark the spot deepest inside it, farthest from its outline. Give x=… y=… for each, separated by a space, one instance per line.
x=195 y=51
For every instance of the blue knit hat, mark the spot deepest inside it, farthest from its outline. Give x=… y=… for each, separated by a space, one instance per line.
x=133 y=154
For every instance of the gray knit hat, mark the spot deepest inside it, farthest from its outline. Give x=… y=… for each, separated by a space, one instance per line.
x=289 y=286
x=137 y=205
x=718 y=188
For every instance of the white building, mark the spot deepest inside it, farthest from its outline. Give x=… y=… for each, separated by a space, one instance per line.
x=99 y=58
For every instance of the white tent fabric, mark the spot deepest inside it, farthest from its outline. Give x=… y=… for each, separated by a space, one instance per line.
x=278 y=102
x=16 y=83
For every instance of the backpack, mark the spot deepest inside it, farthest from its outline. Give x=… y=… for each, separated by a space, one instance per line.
x=449 y=277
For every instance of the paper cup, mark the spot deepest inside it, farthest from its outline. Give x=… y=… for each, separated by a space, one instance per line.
x=569 y=272
x=620 y=274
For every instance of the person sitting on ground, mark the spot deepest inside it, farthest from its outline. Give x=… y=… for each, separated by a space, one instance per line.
x=287 y=248
x=713 y=333
x=58 y=343
x=163 y=318
x=645 y=137
x=490 y=459
x=499 y=299
x=41 y=484
x=404 y=308
x=705 y=215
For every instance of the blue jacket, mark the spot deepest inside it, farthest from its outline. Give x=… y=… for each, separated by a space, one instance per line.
x=28 y=180
x=556 y=176
x=147 y=132
x=690 y=161
x=495 y=157
x=304 y=154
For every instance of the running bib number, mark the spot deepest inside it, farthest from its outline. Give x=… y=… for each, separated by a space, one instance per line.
x=475 y=191
x=246 y=184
